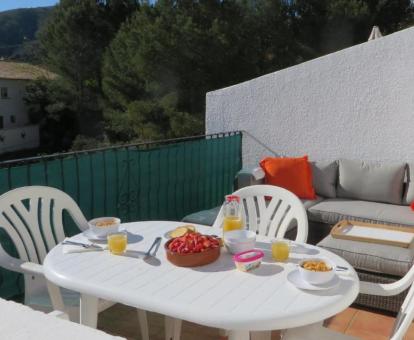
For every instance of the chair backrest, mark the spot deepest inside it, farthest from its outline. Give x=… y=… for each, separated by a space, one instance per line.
x=33 y=218
x=269 y=210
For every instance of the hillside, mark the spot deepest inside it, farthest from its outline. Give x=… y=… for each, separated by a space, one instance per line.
x=18 y=30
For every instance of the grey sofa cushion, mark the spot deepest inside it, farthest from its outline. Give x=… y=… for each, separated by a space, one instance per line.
x=370 y=181
x=409 y=187
x=371 y=257
x=325 y=175
x=333 y=210
x=310 y=203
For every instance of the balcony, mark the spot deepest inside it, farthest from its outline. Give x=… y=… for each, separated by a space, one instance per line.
x=164 y=180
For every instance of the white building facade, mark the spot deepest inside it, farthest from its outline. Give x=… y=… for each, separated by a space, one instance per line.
x=16 y=132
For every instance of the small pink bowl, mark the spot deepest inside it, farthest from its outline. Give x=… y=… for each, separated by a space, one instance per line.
x=248 y=260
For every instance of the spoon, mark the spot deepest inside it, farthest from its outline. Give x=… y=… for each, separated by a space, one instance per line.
x=155 y=244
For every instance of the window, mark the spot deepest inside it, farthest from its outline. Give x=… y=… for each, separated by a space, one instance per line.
x=4 y=93
x=12 y=119
x=1 y=122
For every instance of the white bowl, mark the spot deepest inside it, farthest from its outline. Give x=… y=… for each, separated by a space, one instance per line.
x=315 y=277
x=102 y=231
x=238 y=241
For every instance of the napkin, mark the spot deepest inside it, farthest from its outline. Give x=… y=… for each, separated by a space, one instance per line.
x=71 y=248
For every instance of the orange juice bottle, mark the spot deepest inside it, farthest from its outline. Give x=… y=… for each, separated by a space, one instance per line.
x=232 y=223
x=232 y=219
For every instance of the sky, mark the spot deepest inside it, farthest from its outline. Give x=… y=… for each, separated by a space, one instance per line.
x=12 y=4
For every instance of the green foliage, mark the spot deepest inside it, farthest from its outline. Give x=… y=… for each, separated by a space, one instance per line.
x=182 y=50
x=73 y=43
x=50 y=105
x=18 y=32
x=329 y=25
x=88 y=143
x=145 y=67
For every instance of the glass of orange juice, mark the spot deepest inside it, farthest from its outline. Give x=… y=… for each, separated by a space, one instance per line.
x=280 y=249
x=117 y=243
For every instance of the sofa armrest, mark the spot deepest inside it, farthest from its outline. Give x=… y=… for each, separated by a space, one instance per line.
x=249 y=176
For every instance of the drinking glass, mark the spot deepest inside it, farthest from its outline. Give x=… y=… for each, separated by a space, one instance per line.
x=117 y=243
x=280 y=249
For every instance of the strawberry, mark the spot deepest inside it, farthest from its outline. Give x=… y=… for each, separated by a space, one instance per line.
x=207 y=243
x=193 y=242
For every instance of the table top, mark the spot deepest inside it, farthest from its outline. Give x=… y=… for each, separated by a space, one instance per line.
x=215 y=295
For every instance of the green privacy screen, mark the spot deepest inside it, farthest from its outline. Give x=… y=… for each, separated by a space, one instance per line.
x=140 y=182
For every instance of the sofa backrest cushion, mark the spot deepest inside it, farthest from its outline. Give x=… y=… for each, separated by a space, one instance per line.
x=293 y=174
x=408 y=197
x=371 y=181
x=325 y=176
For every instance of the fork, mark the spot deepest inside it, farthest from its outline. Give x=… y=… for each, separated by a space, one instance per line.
x=84 y=245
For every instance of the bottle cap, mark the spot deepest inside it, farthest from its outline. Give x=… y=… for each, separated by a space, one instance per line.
x=230 y=198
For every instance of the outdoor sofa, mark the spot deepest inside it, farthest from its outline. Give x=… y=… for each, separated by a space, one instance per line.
x=376 y=192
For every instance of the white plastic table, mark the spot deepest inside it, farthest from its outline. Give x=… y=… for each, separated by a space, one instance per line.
x=216 y=295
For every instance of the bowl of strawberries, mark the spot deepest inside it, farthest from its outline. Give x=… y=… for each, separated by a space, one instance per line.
x=193 y=249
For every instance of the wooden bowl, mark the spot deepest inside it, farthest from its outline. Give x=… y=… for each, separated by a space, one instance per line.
x=194 y=259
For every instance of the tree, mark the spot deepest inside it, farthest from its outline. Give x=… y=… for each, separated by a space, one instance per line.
x=330 y=25
x=146 y=66
x=176 y=51
x=73 y=42
x=50 y=105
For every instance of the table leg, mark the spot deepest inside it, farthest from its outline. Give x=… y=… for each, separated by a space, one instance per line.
x=172 y=328
x=262 y=335
x=143 y=324
x=223 y=333
x=89 y=310
x=239 y=335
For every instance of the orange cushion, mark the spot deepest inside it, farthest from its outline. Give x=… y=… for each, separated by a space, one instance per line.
x=293 y=174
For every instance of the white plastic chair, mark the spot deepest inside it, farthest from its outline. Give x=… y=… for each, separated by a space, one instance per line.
x=33 y=218
x=402 y=322
x=270 y=210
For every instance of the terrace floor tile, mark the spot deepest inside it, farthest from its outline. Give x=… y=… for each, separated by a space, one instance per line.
x=369 y=325
x=341 y=321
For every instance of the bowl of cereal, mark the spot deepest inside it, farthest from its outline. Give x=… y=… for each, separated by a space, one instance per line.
x=103 y=226
x=317 y=270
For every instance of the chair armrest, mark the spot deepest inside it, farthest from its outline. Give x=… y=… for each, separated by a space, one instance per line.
x=32 y=268
x=384 y=289
x=19 y=266
x=250 y=176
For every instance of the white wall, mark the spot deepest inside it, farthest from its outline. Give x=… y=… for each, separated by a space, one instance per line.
x=355 y=103
x=20 y=138
x=14 y=104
